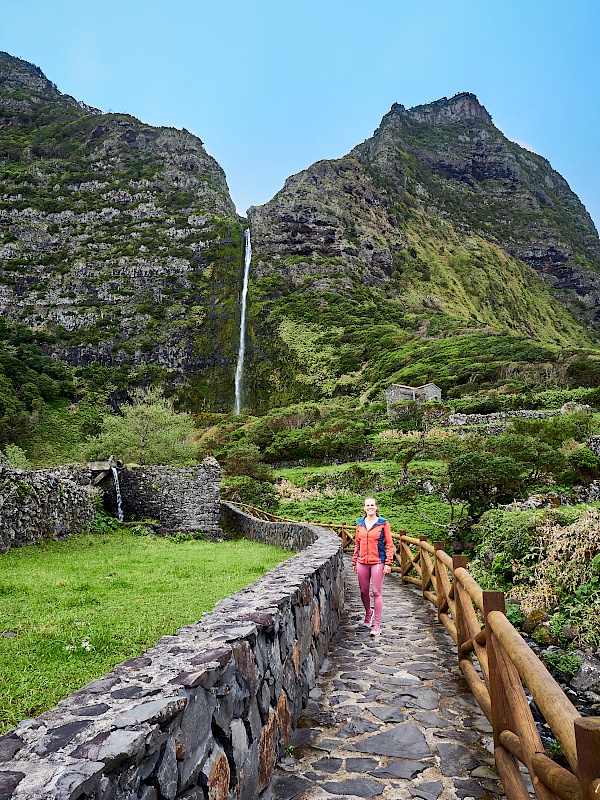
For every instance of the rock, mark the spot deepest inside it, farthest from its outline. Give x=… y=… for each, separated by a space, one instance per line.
x=587 y=678
x=361 y=764
x=9 y=746
x=402 y=768
x=359 y=787
x=112 y=748
x=389 y=714
x=286 y=788
x=485 y=772
x=57 y=738
x=329 y=765
x=429 y=790
x=466 y=787
x=160 y=711
x=166 y=774
x=406 y=739
x=356 y=726
x=429 y=720
x=455 y=759
x=534 y=619
x=9 y=780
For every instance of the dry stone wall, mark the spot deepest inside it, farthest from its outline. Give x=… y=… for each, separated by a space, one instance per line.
x=181 y=499
x=40 y=505
x=206 y=712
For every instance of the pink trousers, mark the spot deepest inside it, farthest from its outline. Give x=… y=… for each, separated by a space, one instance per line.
x=371 y=573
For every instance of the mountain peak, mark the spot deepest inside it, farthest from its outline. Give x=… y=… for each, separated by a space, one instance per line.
x=15 y=71
x=462 y=107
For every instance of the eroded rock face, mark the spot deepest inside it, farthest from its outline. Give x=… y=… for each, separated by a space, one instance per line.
x=120 y=239
x=352 y=216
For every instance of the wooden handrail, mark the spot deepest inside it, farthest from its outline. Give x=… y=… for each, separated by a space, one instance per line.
x=559 y=712
x=506 y=663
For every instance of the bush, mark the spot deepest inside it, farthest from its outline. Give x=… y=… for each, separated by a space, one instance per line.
x=244 y=489
x=505 y=543
x=16 y=457
x=243 y=458
x=149 y=431
x=483 y=479
x=566 y=574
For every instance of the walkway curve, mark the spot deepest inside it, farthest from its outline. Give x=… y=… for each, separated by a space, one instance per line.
x=391 y=717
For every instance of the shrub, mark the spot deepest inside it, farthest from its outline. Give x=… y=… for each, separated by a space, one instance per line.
x=17 y=457
x=244 y=489
x=243 y=458
x=567 y=573
x=149 y=431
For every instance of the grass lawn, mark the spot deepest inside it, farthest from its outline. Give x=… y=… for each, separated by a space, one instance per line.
x=81 y=606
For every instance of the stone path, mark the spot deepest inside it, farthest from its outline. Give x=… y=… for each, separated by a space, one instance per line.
x=390 y=717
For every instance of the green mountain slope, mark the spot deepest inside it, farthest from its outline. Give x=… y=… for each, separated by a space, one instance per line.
x=119 y=239
x=360 y=259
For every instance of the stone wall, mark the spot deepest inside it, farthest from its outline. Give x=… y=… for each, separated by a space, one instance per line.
x=461 y=420
x=206 y=712
x=182 y=499
x=41 y=505
x=594 y=445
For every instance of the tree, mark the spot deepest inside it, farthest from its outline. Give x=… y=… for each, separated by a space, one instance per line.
x=149 y=431
x=482 y=480
x=243 y=458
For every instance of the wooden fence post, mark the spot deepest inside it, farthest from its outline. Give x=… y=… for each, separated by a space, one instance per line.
x=403 y=557
x=439 y=587
x=494 y=601
x=508 y=767
x=423 y=564
x=587 y=737
x=344 y=536
x=461 y=633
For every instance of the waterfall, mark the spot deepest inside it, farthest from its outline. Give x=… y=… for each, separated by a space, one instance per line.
x=240 y=362
x=118 y=493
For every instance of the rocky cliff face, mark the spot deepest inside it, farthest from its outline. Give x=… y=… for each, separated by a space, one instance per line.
x=452 y=160
x=120 y=244
x=435 y=226
x=448 y=162
x=119 y=238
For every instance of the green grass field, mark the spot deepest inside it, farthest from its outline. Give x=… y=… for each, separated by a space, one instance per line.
x=81 y=606
x=344 y=500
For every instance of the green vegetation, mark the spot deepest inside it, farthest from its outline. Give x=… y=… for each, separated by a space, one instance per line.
x=147 y=430
x=29 y=381
x=567 y=664
x=81 y=606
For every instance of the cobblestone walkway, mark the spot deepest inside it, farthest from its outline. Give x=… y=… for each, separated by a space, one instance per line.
x=390 y=717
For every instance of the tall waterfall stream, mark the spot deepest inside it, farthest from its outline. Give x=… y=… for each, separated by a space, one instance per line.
x=118 y=493
x=239 y=370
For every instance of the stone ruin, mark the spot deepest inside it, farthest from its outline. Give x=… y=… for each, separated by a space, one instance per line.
x=46 y=504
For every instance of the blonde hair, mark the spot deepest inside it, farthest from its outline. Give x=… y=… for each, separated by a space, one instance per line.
x=375 y=501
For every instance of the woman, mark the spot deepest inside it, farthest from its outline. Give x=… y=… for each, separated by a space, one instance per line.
x=372 y=560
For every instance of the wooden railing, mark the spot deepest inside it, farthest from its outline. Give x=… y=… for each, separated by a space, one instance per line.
x=499 y=668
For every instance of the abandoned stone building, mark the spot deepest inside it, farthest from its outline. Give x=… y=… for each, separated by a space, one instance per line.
x=397 y=393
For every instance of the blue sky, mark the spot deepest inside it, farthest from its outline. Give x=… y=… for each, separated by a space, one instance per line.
x=270 y=87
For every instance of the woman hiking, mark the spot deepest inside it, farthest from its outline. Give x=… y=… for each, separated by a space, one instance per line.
x=372 y=560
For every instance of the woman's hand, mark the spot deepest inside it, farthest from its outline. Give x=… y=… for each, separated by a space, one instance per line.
x=387 y=569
